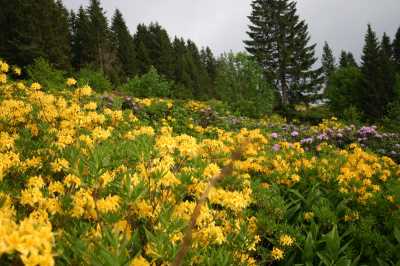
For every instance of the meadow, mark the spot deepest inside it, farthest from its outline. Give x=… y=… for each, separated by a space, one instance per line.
x=83 y=182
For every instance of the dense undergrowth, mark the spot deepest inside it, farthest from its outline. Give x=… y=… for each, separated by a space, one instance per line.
x=83 y=182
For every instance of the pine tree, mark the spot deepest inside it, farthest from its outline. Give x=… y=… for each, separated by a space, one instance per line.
x=210 y=64
x=100 y=50
x=123 y=43
x=197 y=71
x=388 y=69
x=32 y=29
x=80 y=39
x=279 y=41
x=396 y=49
x=181 y=70
x=347 y=60
x=328 y=62
x=140 y=39
x=160 y=50
x=374 y=93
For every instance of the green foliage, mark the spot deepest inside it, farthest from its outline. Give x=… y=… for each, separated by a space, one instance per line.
x=123 y=42
x=150 y=84
x=94 y=78
x=43 y=72
x=376 y=87
x=328 y=62
x=33 y=29
x=277 y=34
x=241 y=85
x=392 y=119
x=343 y=90
x=347 y=60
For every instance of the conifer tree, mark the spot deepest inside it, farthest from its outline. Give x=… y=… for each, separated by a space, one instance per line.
x=210 y=64
x=328 y=62
x=140 y=40
x=123 y=43
x=388 y=69
x=396 y=49
x=160 y=50
x=347 y=60
x=374 y=93
x=32 y=29
x=81 y=39
x=100 y=50
x=279 y=41
x=182 y=76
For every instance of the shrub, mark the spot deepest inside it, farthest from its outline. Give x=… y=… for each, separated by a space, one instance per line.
x=241 y=84
x=343 y=90
x=43 y=72
x=94 y=78
x=150 y=84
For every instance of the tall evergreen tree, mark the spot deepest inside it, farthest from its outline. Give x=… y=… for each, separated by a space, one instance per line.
x=32 y=29
x=396 y=49
x=388 y=69
x=279 y=41
x=374 y=94
x=81 y=39
x=328 y=62
x=210 y=64
x=140 y=40
x=100 y=50
x=197 y=71
x=347 y=60
x=182 y=75
x=123 y=43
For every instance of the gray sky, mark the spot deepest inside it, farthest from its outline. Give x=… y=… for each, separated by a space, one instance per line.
x=222 y=24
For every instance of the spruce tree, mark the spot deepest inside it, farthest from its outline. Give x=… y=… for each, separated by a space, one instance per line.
x=279 y=41
x=182 y=76
x=160 y=50
x=347 y=60
x=374 y=92
x=328 y=62
x=123 y=43
x=100 y=50
x=81 y=39
x=396 y=49
x=388 y=69
x=32 y=29
x=140 y=40
x=210 y=64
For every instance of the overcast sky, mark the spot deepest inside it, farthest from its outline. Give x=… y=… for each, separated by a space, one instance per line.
x=222 y=24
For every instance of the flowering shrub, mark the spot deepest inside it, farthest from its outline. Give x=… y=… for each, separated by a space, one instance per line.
x=83 y=185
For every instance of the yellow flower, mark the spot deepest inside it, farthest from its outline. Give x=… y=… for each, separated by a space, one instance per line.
x=211 y=170
x=277 y=253
x=71 y=82
x=36 y=86
x=295 y=178
x=286 y=240
x=308 y=216
x=71 y=180
x=59 y=165
x=3 y=67
x=3 y=78
x=109 y=204
x=17 y=71
x=139 y=261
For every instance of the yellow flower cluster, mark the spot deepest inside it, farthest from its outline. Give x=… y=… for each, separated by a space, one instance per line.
x=32 y=238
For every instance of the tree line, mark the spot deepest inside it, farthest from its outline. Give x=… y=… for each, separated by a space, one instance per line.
x=84 y=38
x=369 y=91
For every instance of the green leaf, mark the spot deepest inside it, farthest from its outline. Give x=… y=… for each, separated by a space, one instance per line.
x=396 y=234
